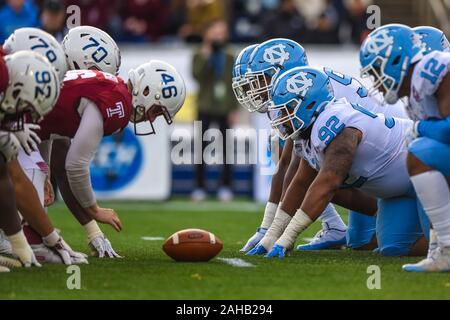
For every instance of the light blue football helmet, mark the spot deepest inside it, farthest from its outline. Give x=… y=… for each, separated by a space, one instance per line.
x=266 y=61
x=386 y=56
x=432 y=39
x=240 y=83
x=298 y=97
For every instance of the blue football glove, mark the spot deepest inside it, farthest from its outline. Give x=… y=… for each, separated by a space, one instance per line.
x=258 y=250
x=254 y=240
x=277 y=252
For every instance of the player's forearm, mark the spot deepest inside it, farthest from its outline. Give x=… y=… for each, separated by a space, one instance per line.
x=290 y=173
x=80 y=183
x=435 y=129
x=294 y=196
x=318 y=196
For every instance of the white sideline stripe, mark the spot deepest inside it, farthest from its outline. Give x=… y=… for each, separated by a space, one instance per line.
x=236 y=262
x=152 y=238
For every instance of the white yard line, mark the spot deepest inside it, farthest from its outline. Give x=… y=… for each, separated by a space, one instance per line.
x=153 y=238
x=236 y=262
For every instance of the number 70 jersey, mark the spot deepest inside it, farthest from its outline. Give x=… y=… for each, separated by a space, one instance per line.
x=425 y=81
x=109 y=93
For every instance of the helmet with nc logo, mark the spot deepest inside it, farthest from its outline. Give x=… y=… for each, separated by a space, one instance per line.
x=298 y=97
x=386 y=56
x=266 y=61
x=432 y=39
x=240 y=83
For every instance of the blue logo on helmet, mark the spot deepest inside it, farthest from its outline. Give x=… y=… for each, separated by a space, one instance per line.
x=299 y=96
x=266 y=61
x=117 y=161
x=386 y=55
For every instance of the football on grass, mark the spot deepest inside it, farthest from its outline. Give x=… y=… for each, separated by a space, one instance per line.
x=192 y=245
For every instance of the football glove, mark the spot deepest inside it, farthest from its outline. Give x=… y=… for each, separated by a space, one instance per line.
x=57 y=244
x=101 y=248
x=254 y=240
x=9 y=145
x=28 y=138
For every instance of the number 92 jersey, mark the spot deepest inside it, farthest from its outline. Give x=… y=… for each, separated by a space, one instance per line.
x=426 y=78
x=109 y=93
x=379 y=165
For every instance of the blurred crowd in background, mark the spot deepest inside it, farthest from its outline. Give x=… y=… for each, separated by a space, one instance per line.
x=141 y=21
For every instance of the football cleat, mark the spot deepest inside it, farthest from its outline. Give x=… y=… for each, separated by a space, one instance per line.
x=327 y=238
x=5 y=245
x=10 y=262
x=4 y=269
x=259 y=250
x=437 y=261
x=277 y=252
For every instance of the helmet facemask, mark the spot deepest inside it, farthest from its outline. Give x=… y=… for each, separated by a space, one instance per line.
x=241 y=86
x=284 y=120
x=260 y=89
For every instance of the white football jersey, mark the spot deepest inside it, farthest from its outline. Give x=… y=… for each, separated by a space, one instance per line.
x=425 y=81
x=32 y=161
x=350 y=88
x=379 y=166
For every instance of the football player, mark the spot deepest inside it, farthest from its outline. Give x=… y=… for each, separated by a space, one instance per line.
x=260 y=66
x=344 y=145
x=32 y=91
x=394 y=57
x=30 y=169
x=95 y=104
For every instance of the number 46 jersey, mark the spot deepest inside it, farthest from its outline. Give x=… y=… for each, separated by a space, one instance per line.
x=109 y=93
x=426 y=78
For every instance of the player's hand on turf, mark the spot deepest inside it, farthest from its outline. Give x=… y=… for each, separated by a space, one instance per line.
x=26 y=256
x=254 y=240
x=107 y=216
x=277 y=252
x=258 y=250
x=49 y=194
x=101 y=248
x=28 y=138
x=57 y=244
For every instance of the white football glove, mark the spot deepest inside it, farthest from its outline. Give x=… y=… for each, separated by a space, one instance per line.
x=28 y=138
x=22 y=250
x=56 y=243
x=412 y=133
x=9 y=145
x=254 y=240
x=101 y=248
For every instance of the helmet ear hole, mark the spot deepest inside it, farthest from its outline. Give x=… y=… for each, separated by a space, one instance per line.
x=396 y=60
x=146 y=91
x=16 y=93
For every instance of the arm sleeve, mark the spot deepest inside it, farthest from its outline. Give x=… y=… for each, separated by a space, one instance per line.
x=81 y=152
x=435 y=129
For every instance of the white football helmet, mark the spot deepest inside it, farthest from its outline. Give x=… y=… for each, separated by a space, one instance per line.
x=88 y=47
x=40 y=41
x=158 y=89
x=33 y=89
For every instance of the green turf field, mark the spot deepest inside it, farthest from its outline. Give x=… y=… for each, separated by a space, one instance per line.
x=146 y=273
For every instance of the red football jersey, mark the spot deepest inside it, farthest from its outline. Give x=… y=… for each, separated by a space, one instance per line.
x=4 y=76
x=108 y=92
